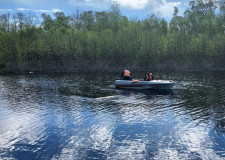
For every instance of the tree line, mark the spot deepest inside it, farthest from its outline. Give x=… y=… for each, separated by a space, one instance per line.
x=109 y=39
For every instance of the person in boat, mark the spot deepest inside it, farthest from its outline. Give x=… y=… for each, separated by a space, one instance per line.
x=149 y=77
x=125 y=75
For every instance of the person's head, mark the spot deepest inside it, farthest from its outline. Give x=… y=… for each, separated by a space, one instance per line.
x=148 y=74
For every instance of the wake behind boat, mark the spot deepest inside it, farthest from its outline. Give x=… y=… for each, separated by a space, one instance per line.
x=136 y=84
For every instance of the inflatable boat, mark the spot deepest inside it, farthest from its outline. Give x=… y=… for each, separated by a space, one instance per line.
x=137 y=84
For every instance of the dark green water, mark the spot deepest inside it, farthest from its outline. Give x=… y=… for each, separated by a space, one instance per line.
x=82 y=116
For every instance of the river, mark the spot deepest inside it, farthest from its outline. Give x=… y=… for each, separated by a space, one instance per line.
x=83 y=116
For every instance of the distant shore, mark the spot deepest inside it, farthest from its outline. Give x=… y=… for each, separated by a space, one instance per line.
x=109 y=66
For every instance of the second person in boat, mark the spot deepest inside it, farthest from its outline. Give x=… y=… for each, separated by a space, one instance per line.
x=148 y=77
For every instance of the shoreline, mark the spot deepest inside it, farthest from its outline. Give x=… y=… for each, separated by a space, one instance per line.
x=102 y=68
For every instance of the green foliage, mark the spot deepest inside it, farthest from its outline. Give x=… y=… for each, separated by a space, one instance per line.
x=8 y=49
x=93 y=36
x=194 y=47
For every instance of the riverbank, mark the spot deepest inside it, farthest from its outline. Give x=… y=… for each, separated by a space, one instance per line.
x=111 y=66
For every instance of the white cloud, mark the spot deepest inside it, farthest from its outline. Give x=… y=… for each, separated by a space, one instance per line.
x=133 y=4
x=164 y=7
x=40 y=10
x=127 y=4
x=158 y=6
x=167 y=9
x=186 y=4
x=56 y=10
x=175 y=3
x=140 y=4
x=48 y=11
x=96 y=4
x=5 y=10
x=24 y=9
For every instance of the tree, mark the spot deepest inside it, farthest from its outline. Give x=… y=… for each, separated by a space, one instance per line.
x=222 y=7
x=87 y=20
x=31 y=19
x=163 y=27
x=21 y=19
x=175 y=13
x=47 y=22
x=91 y=37
x=102 y=20
x=75 y=19
x=115 y=17
x=175 y=23
x=61 y=20
x=4 y=22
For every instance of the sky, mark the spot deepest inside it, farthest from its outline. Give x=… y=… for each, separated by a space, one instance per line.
x=138 y=9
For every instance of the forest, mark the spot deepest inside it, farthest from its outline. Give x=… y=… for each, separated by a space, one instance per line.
x=109 y=41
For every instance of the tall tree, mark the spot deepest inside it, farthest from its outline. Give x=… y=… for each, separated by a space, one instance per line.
x=163 y=27
x=87 y=19
x=21 y=19
x=115 y=17
x=31 y=19
x=4 y=22
x=61 y=19
x=47 y=22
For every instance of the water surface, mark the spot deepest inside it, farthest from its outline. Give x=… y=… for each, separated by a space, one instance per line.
x=83 y=116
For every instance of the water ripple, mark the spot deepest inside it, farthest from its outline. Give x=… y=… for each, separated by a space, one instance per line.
x=83 y=116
